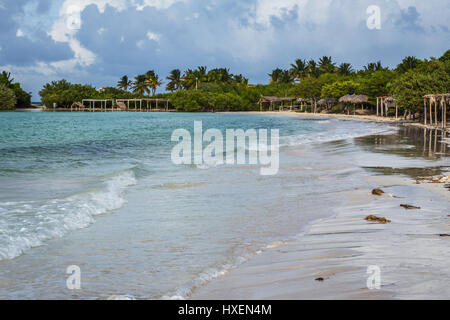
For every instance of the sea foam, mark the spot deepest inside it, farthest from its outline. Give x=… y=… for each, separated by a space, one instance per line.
x=24 y=225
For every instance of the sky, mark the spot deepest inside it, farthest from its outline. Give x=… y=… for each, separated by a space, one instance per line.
x=98 y=41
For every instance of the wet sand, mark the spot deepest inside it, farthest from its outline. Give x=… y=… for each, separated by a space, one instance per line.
x=410 y=251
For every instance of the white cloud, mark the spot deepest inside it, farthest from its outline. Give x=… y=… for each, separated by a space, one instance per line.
x=19 y=33
x=153 y=36
x=101 y=31
x=140 y=44
x=159 y=4
x=62 y=30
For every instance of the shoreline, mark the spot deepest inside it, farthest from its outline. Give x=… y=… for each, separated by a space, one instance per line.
x=338 y=250
x=372 y=118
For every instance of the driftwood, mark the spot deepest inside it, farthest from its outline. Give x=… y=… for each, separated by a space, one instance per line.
x=409 y=207
x=377 y=219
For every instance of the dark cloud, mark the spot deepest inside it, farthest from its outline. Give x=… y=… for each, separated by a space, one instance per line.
x=221 y=33
x=409 y=20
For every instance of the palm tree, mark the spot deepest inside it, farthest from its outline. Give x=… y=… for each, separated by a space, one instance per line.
x=153 y=83
x=192 y=78
x=326 y=65
x=299 y=69
x=219 y=75
x=280 y=76
x=313 y=71
x=345 y=69
x=124 y=83
x=276 y=75
x=140 y=85
x=6 y=79
x=175 y=81
x=407 y=64
x=372 y=67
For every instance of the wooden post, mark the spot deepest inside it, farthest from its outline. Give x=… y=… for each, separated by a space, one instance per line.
x=445 y=115
x=431 y=112
x=444 y=112
x=425 y=111
x=377 y=106
x=436 y=123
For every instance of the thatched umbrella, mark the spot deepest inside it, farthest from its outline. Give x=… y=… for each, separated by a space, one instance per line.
x=327 y=102
x=354 y=99
x=390 y=101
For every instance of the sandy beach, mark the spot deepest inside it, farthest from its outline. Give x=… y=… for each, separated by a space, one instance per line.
x=332 y=258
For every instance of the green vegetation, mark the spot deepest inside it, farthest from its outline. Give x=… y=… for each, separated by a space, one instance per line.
x=217 y=89
x=7 y=98
x=22 y=99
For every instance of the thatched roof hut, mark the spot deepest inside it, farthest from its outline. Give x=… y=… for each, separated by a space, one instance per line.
x=354 y=99
x=326 y=102
x=270 y=99
x=390 y=101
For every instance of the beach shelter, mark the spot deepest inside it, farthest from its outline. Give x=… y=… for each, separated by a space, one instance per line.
x=354 y=99
x=326 y=102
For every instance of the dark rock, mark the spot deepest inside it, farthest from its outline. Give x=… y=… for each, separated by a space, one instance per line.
x=320 y=279
x=377 y=192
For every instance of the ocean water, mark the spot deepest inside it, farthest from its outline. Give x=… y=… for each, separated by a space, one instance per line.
x=99 y=190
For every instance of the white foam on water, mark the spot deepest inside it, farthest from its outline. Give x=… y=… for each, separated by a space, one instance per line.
x=24 y=225
x=339 y=133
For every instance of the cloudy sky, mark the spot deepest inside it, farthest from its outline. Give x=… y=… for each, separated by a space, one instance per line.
x=43 y=40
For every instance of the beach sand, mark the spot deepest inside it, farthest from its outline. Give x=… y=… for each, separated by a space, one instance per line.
x=412 y=256
x=331 y=259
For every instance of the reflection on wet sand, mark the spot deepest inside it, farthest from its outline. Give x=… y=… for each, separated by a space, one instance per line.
x=408 y=142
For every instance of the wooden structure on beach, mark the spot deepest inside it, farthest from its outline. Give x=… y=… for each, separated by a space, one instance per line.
x=137 y=104
x=92 y=104
x=271 y=102
x=304 y=103
x=439 y=101
x=354 y=99
x=326 y=102
x=383 y=105
x=164 y=103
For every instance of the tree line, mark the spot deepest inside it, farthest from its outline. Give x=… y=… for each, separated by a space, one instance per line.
x=11 y=94
x=217 y=89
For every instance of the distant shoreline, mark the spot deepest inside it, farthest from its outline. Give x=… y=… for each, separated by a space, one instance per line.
x=391 y=120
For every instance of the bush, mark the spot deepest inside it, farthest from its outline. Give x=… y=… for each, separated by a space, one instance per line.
x=336 y=109
x=7 y=98
x=23 y=99
x=190 y=100
x=64 y=93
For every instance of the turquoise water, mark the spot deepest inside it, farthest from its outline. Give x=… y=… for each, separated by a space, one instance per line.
x=99 y=190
